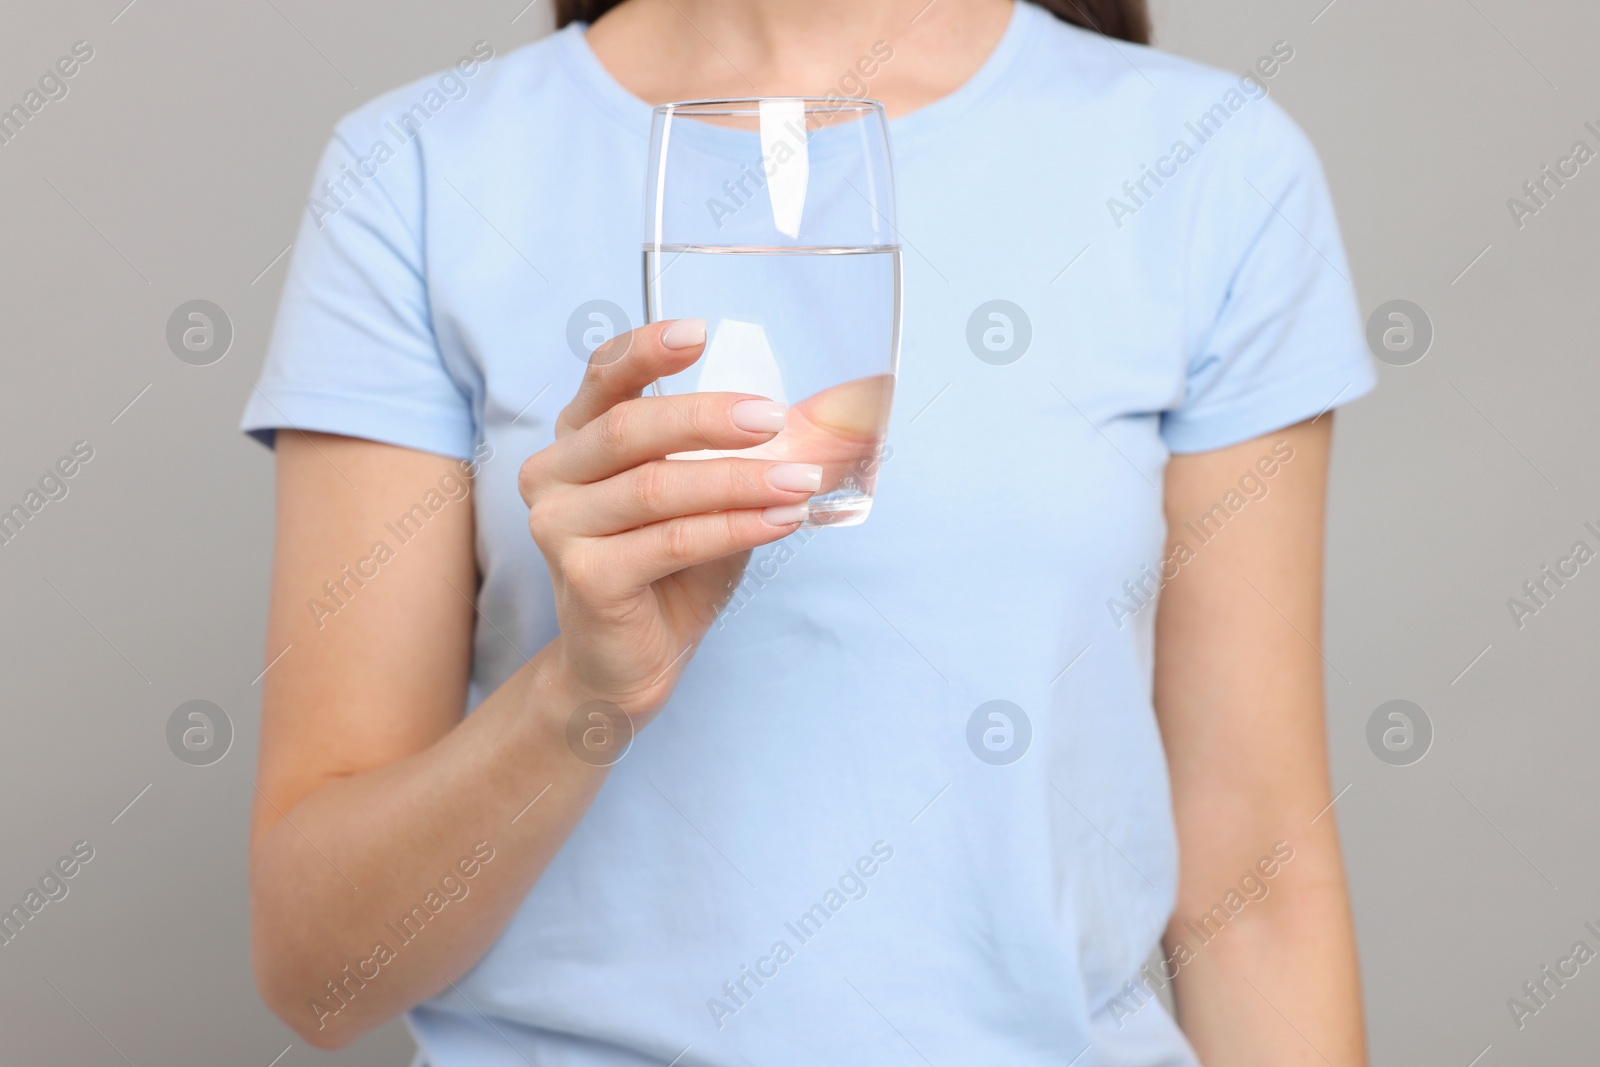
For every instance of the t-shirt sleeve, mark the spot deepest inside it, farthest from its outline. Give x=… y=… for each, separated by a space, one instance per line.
x=353 y=350
x=1284 y=342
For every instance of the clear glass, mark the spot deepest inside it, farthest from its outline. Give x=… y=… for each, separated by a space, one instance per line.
x=773 y=220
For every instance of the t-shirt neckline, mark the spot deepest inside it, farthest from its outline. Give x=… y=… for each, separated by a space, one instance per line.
x=634 y=113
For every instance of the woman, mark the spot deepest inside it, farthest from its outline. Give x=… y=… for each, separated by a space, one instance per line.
x=827 y=844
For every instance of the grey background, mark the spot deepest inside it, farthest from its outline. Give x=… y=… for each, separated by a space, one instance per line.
x=176 y=169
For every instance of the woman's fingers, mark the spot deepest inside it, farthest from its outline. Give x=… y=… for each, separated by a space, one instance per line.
x=639 y=557
x=604 y=499
x=669 y=488
x=646 y=428
x=840 y=429
x=621 y=368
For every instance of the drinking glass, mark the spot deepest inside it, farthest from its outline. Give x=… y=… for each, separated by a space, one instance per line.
x=773 y=220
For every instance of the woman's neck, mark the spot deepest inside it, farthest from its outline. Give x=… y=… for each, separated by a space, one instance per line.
x=664 y=50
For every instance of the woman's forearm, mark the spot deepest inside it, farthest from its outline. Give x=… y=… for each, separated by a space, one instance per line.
x=378 y=889
x=1276 y=981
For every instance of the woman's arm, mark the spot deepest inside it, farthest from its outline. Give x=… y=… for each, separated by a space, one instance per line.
x=371 y=789
x=373 y=792
x=1266 y=976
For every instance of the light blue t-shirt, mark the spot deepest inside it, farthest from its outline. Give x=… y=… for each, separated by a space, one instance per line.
x=833 y=846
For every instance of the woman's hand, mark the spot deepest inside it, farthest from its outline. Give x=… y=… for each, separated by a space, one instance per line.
x=644 y=551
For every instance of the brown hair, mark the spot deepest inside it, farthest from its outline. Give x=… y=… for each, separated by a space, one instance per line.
x=1127 y=20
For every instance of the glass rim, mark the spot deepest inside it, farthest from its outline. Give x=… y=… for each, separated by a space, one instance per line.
x=751 y=105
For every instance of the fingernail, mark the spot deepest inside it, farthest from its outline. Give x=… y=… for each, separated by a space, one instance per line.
x=801 y=477
x=684 y=333
x=758 y=416
x=786 y=515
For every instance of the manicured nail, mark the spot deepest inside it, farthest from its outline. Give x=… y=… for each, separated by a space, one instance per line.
x=758 y=416
x=684 y=333
x=786 y=515
x=800 y=477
